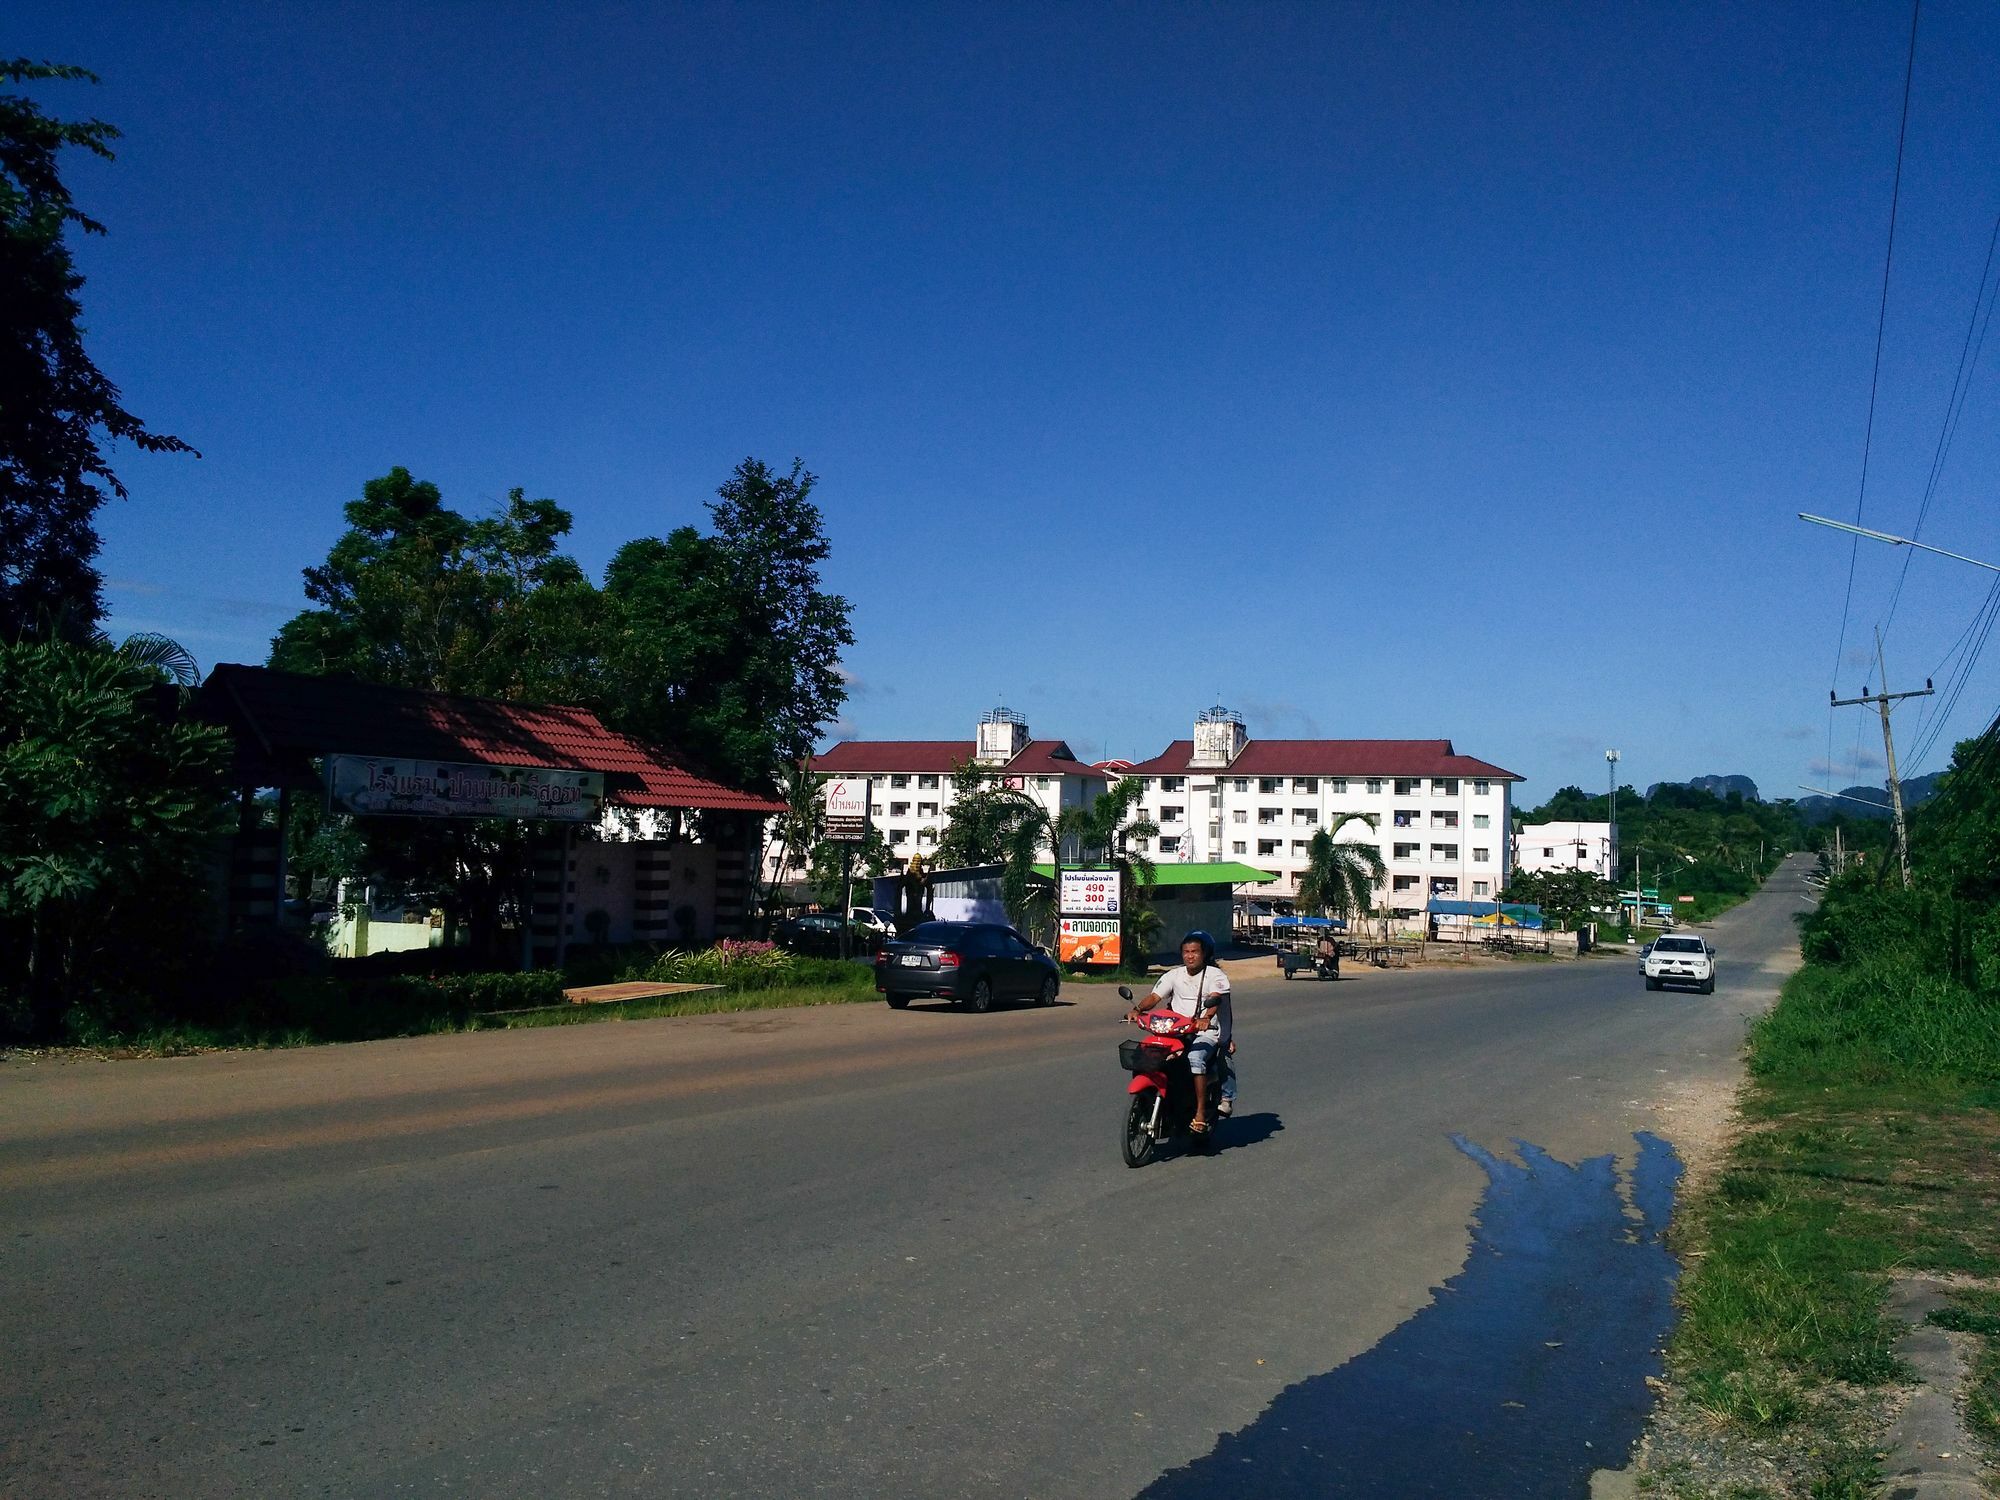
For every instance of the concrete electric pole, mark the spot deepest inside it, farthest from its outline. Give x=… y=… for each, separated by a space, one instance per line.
x=1881 y=701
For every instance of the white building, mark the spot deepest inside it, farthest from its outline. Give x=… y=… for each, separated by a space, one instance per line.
x=1567 y=846
x=910 y=791
x=1441 y=818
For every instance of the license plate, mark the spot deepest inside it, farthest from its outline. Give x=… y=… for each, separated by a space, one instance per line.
x=911 y=960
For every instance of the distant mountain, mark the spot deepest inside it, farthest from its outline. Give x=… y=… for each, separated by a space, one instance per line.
x=1721 y=786
x=1916 y=791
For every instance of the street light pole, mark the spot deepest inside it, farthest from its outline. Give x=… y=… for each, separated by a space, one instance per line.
x=1611 y=853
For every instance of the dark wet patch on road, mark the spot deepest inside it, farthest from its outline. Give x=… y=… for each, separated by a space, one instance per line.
x=1525 y=1373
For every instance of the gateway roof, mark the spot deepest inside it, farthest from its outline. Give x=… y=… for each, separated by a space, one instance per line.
x=283 y=720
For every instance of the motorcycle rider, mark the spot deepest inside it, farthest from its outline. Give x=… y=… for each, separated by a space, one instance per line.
x=1200 y=991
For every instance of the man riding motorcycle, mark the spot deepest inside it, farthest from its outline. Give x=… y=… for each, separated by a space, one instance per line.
x=1199 y=990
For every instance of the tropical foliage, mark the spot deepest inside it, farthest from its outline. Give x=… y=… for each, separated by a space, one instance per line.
x=1566 y=897
x=1340 y=877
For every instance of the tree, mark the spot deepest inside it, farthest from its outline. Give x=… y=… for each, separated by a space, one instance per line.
x=1565 y=896
x=56 y=407
x=1340 y=878
x=110 y=805
x=827 y=870
x=981 y=818
x=724 y=645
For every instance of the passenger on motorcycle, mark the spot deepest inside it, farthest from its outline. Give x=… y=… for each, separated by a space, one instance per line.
x=1199 y=990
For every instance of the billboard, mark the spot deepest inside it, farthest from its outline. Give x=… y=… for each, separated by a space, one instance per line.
x=376 y=786
x=845 y=803
x=1088 y=940
x=1089 y=893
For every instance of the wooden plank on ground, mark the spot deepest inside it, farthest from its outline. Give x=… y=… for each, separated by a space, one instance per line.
x=604 y=994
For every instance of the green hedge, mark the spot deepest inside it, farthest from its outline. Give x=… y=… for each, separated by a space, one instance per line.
x=753 y=966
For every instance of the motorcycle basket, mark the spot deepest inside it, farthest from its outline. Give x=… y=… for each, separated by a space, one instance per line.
x=1137 y=1056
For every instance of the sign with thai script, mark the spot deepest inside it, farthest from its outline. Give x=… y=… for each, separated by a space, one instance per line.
x=1089 y=893
x=1088 y=940
x=376 y=786
x=845 y=802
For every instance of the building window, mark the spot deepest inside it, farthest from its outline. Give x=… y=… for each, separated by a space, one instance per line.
x=1445 y=853
x=927 y=809
x=1406 y=882
x=1042 y=782
x=1241 y=783
x=926 y=837
x=1173 y=814
x=1338 y=786
x=1548 y=854
x=1407 y=786
x=1409 y=851
x=1444 y=788
x=1239 y=847
x=1444 y=820
x=1304 y=818
x=1269 y=784
x=1444 y=885
x=1298 y=848
x=1406 y=817
x=1170 y=843
x=927 y=783
x=899 y=781
x=1173 y=783
x=1267 y=846
x=1305 y=786
x=1240 y=815
x=1481 y=855
x=899 y=835
x=1267 y=816
x=899 y=809
x=1481 y=888
x=1375 y=786
x=1480 y=820
x=1481 y=788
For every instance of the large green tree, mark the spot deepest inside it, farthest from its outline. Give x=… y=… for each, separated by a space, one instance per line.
x=111 y=802
x=1340 y=876
x=724 y=644
x=57 y=409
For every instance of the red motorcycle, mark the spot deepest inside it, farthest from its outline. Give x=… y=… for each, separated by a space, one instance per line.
x=1160 y=1102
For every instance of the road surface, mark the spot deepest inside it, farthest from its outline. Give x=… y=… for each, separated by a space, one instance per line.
x=843 y=1252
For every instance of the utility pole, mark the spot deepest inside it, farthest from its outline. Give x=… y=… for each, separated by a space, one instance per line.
x=1611 y=844
x=1881 y=701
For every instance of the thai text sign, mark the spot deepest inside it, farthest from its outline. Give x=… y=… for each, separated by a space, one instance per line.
x=845 y=802
x=1089 y=893
x=375 y=786
x=1088 y=940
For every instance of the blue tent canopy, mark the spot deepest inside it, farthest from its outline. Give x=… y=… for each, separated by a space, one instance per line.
x=1500 y=914
x=1291 y=923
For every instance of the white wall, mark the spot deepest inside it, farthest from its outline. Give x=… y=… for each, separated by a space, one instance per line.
x=1566 y=846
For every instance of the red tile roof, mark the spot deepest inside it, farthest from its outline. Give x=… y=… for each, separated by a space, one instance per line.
x=283 y=719
x=1037 y=758
x=1332 y=758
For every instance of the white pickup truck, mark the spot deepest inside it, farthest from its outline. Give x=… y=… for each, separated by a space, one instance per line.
x=1681 y=960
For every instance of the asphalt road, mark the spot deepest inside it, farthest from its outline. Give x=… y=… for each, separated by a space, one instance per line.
x=846 y=1252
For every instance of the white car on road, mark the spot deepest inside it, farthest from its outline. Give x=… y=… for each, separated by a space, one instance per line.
x=1681 y=960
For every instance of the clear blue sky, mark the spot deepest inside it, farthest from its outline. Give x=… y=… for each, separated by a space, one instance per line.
x=1386 y=371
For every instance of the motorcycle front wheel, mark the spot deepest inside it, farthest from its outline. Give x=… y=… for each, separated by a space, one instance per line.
x=1137 y=1143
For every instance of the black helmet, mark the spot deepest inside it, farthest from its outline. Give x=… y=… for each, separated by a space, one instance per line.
x=1207 y=944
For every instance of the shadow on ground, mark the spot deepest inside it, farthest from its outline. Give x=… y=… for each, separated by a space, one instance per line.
x=1526 y=1372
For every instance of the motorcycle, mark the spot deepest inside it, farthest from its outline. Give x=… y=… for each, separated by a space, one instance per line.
x=1160 y=1097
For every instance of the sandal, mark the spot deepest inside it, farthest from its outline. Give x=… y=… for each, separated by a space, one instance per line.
x=1199 y=1127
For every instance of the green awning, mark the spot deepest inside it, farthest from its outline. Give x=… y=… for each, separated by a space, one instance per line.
x=1173 y=872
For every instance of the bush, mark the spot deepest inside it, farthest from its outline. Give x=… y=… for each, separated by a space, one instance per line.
x=751 y=966
x=1879 y=1020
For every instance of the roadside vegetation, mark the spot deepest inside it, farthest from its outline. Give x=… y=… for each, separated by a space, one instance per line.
x=1871 y=1149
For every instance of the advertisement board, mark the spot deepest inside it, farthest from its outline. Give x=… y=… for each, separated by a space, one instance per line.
x=376 y=786
x=845 y=802
x=1089 y=893
x=1088 y=940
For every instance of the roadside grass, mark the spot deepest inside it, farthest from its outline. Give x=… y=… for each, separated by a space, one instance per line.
x=1871 y=1149
x=779 y=997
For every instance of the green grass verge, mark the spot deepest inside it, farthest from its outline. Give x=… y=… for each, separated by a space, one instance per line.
x=708 y=1003
x=1871 y=1149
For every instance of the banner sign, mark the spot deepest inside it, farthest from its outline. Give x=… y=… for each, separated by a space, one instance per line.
x=374 y=786
x=1088 y=940
x=1089 y=893
x=845 y=803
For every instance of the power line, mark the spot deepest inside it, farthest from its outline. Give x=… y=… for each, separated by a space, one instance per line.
x=1954 y=408
x=1875 y=376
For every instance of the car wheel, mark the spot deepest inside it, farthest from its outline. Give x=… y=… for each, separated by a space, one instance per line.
x=1708 y=986
x=897 y=1002
x=1050 y=985
x=982 y=995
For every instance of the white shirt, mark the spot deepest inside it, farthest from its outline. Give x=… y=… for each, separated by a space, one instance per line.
x=1191 y=994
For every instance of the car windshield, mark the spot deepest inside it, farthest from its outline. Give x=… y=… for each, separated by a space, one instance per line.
x=936 y=932
x=1677 y=945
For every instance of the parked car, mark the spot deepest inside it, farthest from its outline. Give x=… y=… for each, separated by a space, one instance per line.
x=818 y=934
x=1681 y=960
x=973 y=964
x=874 y=918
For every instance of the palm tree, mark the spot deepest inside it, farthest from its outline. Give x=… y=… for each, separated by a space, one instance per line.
x=1340 y=878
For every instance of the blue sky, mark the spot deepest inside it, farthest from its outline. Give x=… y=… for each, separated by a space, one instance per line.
x=1384 y=371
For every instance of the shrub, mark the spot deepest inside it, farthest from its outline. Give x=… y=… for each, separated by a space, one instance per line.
x=1879 y=1020
x=751 y=966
